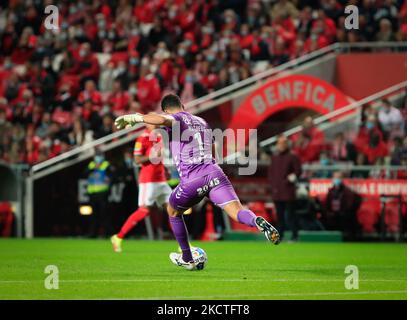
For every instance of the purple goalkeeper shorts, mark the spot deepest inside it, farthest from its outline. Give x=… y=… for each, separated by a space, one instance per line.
x=215 y=185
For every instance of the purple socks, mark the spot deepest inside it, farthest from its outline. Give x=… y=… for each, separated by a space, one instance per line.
x=247 y=217
x=181 y=234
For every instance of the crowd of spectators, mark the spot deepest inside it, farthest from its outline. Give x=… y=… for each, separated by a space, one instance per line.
x=60 y=89
x=381 y=139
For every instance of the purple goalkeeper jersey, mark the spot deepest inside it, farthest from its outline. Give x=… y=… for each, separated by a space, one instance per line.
x=191 y=146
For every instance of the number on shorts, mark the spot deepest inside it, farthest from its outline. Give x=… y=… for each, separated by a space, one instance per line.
x=212 y=183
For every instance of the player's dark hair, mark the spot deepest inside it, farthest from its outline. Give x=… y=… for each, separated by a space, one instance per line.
x=171 y=101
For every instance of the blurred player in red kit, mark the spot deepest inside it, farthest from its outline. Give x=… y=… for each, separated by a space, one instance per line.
x=153 y=186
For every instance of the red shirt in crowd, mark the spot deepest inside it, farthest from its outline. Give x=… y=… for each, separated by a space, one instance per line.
x=87 y=66
x=119 y=100
x=371 y=144
x=94 y=96
x=308 y=144
x=148 y=92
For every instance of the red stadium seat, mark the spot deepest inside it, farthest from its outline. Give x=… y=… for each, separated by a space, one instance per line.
x=369 y=214
x=391 y=217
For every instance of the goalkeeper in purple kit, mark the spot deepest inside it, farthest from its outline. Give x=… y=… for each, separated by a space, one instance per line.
x=191 y=146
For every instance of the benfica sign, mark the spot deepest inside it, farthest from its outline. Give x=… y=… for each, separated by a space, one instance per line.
x=294 y=91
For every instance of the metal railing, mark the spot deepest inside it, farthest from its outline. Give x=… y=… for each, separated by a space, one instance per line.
x=351 y=107
x=319 y=121
x=264 y=75
x=333 y=48
x=76 y=151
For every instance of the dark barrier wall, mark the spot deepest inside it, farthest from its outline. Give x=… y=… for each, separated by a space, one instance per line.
x=8 y=184
x=57 y=199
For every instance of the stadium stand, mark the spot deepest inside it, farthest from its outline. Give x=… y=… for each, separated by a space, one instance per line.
x=62 y=90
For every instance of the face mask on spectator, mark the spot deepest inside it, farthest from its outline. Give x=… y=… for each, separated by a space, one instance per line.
x=63 y=36
x=47 y=36
x=45 y=64
x=129 y=161
x=101 y=24
x=172 y=14
x=99 y=159
x=8 y=65
x=134 y=32
x=206 y=30
x=133 y=90
x=111 y=35
x=79 y=33
x=324 y=161
x=337 y=182
x=133 y=61
x=181 y=52
x=229 y=19
x=369 y=125
x=153 y=68
x=82 y=52
x=210 y=57
x=46 y=143
x=105 y=109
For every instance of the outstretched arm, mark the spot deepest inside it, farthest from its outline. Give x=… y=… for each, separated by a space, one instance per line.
x=158 y=119
x=130 y=120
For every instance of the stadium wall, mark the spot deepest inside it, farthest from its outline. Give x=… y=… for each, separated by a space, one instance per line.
x=361 y=74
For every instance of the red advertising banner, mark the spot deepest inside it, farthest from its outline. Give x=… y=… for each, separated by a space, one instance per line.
x=364 y=187
x=257 y=190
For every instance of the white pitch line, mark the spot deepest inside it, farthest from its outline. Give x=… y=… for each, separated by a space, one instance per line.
x=200 y=280
x=290 y=294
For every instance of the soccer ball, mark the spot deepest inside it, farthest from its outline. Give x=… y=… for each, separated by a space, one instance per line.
x=200 y=257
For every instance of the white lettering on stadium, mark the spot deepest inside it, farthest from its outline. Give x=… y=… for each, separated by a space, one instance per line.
x=297 y=90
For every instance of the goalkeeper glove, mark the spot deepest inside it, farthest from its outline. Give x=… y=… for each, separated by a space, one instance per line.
x=128 y=120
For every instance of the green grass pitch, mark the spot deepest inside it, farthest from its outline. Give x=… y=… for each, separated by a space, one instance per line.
x=89 y=269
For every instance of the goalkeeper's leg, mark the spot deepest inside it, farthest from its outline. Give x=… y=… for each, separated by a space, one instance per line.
x=225 y=197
